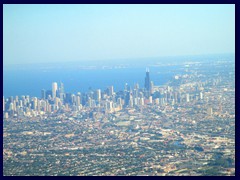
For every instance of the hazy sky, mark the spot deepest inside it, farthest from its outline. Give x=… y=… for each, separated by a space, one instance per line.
x=54 y=33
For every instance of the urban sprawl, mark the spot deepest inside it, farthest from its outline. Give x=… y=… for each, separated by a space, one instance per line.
x=185 y=127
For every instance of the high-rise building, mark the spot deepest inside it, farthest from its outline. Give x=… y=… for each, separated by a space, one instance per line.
x=16 y=98
x=57 y=103
x=89 y=102
x=11 y=107
x=151 y=87
x=21 y=103
x=110 y=90
x=54 y=90
x=68 y=98
x=98 y=95
x=61 y=92
x=73 y=99
x=48 y=94
x=35 y=103
x=61 y=88
x=131 y=102
x=109 y=105
x=126 y=99
x=78 y=101
x=150 y=100
x=43 y=94
x=147 y=84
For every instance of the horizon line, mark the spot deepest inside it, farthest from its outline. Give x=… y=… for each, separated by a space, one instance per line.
x=113 y=59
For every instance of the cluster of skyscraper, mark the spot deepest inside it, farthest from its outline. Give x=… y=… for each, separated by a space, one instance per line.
x=56 y=99
x=112 y=100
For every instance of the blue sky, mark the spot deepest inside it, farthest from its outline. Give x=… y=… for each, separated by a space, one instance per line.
x=62 y=33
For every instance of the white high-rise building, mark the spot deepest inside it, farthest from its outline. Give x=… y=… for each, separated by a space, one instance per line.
x=78 y=101
x=11 y=107
x=54 y=90
x=98 y=95
x=110 y=90
x=35 y=103
x=150 y=100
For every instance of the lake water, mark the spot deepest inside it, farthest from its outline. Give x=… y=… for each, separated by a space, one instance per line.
x=30 y=81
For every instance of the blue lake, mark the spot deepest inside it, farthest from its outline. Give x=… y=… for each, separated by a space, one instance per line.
x=31 y=81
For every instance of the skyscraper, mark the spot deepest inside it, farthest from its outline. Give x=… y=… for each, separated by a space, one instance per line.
x=43 y=94
x=126 y=99
x=54 y=90
x=98 y=95
x=61 y=88
x=61 y=92
x=151 y=87
x=48 y=94
x=110 y=89
x=147 y=84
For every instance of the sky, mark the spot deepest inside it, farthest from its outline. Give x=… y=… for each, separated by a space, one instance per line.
x=63 y=33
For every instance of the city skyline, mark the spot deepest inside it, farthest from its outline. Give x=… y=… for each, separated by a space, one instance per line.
x=62 y=33
x=58 y=91
x=185 y=127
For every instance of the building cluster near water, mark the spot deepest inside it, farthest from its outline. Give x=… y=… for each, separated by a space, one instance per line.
x=186 y=127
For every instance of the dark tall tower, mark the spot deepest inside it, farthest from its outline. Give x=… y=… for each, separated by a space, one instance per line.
x=147 y=84
x=43 y=94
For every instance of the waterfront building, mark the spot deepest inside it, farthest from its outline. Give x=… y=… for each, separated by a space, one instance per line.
x=98 y=95
x=54 y=90
x=147 y=84
x=43 y=94
x=110 y=90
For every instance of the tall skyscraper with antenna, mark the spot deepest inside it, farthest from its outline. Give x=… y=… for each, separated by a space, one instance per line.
x=147 y=84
